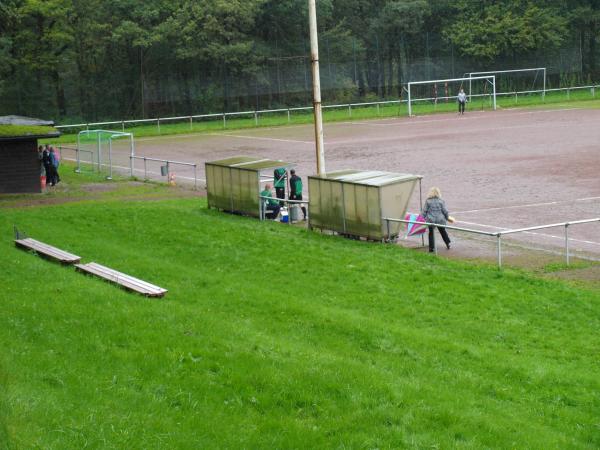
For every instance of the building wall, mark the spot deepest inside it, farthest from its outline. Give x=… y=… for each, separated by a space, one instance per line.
x=19 y=167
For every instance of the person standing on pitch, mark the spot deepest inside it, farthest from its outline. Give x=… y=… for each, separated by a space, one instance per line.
x=280 y=178
x=434 y=211
x=462 y=100
x=296 y=190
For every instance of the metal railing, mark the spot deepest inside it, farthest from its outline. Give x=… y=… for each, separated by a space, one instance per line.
x=498 y=234
x=168 y=163
x=78 y=153
x=262 y=199
x=288 y=111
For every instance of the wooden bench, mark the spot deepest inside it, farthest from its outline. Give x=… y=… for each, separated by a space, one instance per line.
x=124 y=280
x=47 y=251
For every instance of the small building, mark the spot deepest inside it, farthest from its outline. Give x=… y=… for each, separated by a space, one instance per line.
x=355 y=202
x=234 y=184
x=20 y=165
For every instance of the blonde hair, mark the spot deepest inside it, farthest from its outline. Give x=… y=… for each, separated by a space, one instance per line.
x=434 y=192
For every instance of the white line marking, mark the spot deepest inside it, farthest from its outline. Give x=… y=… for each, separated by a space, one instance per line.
x=260 y=138
x=475 y=115
x=530 y=205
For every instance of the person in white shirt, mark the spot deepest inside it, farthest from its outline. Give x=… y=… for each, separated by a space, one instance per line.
x=462 y=100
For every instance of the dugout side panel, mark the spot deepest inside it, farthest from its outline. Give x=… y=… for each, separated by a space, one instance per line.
x=326 y=206
x=394 y=204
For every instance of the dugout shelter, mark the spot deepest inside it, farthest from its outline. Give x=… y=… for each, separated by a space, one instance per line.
x=234 y=184
x=354 y=202
x=21 y=167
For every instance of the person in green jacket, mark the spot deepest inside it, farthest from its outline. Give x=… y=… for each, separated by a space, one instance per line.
x=296 y=190
x=271 y=206
x=280 y=177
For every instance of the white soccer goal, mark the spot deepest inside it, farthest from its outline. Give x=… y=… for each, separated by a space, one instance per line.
x=99 y=144
x=523 y=80
x=434 y=91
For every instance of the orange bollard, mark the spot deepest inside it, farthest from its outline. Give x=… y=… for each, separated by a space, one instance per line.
x=43 y=181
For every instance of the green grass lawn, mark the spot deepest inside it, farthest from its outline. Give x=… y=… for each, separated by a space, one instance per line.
x=576 y=98
x=276 y=337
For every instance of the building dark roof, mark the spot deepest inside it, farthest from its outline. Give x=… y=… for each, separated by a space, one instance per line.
x=17 y=128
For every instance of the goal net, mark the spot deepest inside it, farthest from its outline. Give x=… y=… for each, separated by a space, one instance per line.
x=424 y=97
x=526 y=83
x=103 y=150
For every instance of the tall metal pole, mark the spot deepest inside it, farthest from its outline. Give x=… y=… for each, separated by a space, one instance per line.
x=314 y=53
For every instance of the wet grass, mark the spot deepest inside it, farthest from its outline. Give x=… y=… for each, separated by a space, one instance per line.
x=276 y=337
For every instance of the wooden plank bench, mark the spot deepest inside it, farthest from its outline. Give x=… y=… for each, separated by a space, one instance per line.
x=127 y=281
x=47 y=251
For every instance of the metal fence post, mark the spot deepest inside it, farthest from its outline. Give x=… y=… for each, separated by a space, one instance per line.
x=224 y=121
x=499 y=250
x=349 y=110
x=158 y=125
x=109 y=177
x=567 y=242
x=387 y=222
x=191 y=123
x=195 y=177
x=377 y=108
x=256 y=118
x=289 y=117
x=78 y=170
x=123 y=126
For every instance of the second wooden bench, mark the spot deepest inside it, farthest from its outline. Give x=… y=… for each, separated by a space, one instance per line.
x=122 y=279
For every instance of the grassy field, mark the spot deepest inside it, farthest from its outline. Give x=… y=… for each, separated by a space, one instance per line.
x=275 y=337
x=578 y=98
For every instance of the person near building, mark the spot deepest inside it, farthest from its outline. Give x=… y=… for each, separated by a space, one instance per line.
x=46 y=163
x=54 y=163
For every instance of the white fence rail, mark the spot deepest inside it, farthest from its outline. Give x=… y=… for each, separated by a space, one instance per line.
x=499 y=234
x=256 y=114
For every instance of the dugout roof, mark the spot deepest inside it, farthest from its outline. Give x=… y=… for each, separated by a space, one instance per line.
x=15 y=128
x=369 y=177
x=251 y=163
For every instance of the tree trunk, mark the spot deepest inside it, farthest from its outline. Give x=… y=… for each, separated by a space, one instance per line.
x=60 y=94
x=592 y=49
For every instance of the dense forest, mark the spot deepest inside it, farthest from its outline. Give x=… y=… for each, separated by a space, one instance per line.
x=72 y=60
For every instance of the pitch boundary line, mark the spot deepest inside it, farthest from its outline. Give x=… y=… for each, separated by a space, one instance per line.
x=473 y=115
x=562 y=238
x=530 y=205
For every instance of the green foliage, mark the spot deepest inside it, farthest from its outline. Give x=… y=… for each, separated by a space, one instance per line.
x=26 y=130
x=509 y=27
x=275 y=337
x=106 y=60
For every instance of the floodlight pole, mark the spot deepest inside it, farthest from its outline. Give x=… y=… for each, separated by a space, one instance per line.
x=316 y=79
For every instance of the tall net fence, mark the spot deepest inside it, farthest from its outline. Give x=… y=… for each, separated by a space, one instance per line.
x=281 y=79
